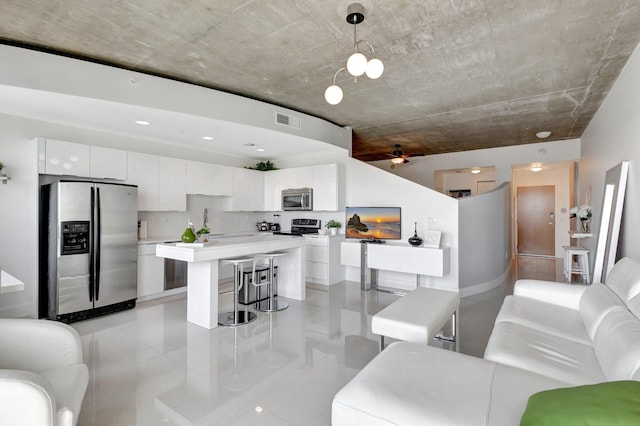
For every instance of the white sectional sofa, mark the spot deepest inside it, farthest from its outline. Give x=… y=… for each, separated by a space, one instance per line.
x=547 y=335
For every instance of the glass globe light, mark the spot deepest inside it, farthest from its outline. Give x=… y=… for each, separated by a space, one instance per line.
x=333 y=94
x=374 y=68
x=357 y=64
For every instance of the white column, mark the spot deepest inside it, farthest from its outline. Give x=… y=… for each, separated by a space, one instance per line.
x=202 y=293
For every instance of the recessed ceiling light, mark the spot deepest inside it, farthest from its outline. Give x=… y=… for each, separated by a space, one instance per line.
x=475 y=171
x=142 y=123
x=544 y=134
x=207 y=138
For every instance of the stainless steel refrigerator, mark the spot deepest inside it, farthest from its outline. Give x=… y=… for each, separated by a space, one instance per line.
x=88 y=249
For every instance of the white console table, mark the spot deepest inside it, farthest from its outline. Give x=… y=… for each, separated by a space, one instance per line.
x=394 y=257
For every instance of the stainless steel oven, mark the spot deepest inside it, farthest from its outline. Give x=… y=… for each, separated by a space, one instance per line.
x=298 y=199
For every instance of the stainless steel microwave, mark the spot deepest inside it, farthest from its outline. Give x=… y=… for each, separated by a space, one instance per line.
x=297 y=199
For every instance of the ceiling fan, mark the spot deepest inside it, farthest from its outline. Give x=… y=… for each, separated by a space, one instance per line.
x=397 y=157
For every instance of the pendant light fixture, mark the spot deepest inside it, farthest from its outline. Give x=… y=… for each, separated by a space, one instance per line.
x=357 y=64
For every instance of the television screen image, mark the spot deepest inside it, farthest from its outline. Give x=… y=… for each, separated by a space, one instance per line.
x=378 y=223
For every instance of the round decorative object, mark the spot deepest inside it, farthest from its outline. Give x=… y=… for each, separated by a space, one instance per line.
x=333 y=94
x=188 y=236
x=415 y=240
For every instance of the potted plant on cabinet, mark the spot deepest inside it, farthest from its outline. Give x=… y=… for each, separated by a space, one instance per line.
x=333 y=226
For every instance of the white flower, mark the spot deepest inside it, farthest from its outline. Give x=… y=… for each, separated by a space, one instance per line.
x=582 y=212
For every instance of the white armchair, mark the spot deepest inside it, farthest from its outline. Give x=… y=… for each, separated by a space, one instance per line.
x=42 y=377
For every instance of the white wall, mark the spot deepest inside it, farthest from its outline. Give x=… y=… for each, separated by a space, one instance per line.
x=421 y=169
x=485 y=240
x=369 y=186
x=19 y=216
x=559 y=176
x=614 y=136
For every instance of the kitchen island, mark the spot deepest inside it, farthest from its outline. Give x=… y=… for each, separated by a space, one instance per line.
x=203 y=264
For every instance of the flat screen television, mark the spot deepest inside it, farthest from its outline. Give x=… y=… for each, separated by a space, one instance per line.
x=373 y=223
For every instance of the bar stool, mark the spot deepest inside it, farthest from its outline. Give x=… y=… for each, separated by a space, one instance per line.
x=237 y=317
x=272 y=304
x=582 y=265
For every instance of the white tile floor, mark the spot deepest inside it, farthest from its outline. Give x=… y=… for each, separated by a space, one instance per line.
x=148 y=366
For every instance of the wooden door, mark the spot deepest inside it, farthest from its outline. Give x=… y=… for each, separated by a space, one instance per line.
x=536 y=221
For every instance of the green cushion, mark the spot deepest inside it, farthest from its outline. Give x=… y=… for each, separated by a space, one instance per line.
x=609 y=403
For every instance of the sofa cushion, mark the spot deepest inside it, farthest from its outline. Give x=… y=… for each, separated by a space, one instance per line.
x=553 y=319
x=624 y=280
x=543 y=353
x=609 y=403
x=595 y=303
x=561 y=294
x=414 y=384
x=617 y=345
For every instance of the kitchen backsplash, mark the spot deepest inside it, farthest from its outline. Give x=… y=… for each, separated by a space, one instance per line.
x=221 y=222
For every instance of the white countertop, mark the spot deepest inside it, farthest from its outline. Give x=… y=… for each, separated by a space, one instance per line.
x=176 y=239
x=230 y=246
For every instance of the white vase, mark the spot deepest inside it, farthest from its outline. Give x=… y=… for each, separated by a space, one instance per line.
x=333 y=231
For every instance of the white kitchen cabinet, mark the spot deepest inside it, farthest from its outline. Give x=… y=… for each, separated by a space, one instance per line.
x=142 y=170
x=160 y=180
x=305 y=176
x=209 y=179
x=57 y=157
x=171 y=184
x=150 y=272
x=67 y=158
x=322 y=259
x=248 y=190
x=326 y=186
x=107 y=163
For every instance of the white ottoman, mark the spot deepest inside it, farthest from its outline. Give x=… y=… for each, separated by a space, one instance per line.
x=418 y=317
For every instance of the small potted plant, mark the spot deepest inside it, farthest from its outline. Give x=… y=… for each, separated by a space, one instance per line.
x=203 y=234
x=333 y=226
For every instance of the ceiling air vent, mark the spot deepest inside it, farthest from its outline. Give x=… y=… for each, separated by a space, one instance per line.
x=288 y=120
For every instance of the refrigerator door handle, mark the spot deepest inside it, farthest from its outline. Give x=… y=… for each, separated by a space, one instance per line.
x=92 y=237
x=98 y=242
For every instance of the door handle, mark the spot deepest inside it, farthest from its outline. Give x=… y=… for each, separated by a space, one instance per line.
x=550 y=223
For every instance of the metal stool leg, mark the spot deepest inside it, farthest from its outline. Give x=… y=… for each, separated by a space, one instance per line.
x=237 y=317
x=272 y=304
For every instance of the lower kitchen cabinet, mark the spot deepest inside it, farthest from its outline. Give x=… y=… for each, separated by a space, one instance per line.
x=150 y=273
x=322 y=259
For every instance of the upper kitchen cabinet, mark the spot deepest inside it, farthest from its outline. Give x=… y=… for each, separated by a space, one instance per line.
x=209 y=179
x=248 y=190
x=161 y=182
x=57 y=157
x=327 y=184
x=108 y=163
x=65 y=158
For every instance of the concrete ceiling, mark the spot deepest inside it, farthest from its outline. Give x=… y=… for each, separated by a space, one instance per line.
x=459 y=74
